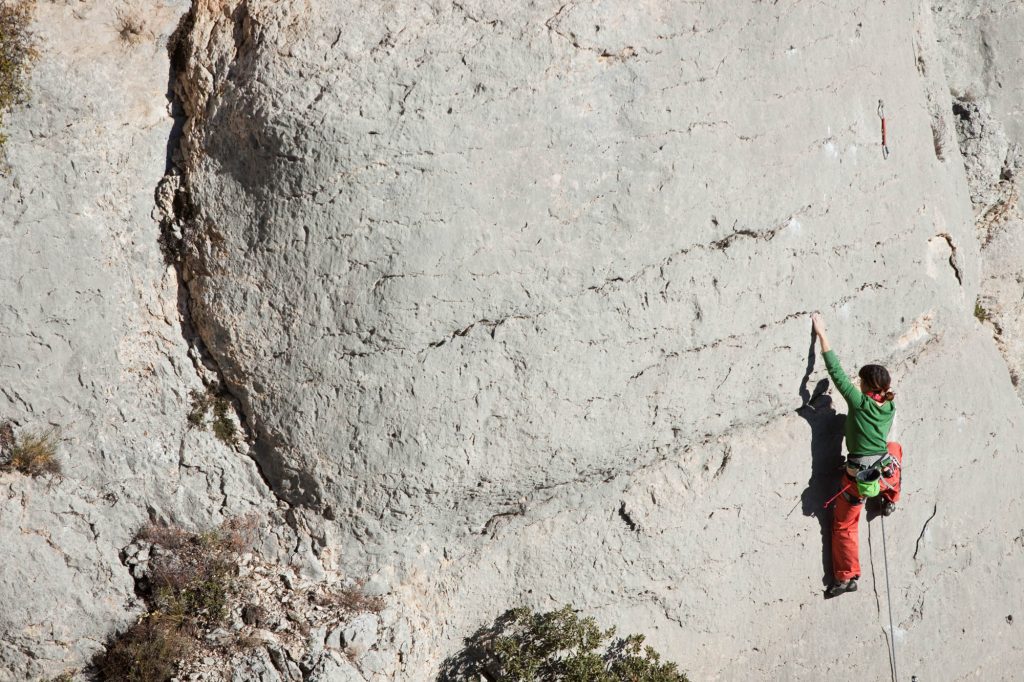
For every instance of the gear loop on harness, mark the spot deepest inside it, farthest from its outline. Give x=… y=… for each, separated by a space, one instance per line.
x=886 y=465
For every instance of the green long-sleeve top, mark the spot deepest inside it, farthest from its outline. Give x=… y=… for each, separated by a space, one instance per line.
x=868 y=423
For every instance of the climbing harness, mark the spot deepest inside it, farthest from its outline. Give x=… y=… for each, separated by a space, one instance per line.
x=868 y=480
x=888 y=597
x=885 y=142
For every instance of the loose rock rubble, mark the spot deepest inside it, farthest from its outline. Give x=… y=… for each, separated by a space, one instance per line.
x=284 y=627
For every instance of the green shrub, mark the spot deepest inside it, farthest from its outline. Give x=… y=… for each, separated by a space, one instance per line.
x=35 y=453
x=223 y=427
x=203 y=404
x=557 y=646
x=192 y=575
x=148 y=651
x=199 y=405
x=16 y=54
x=981 y=312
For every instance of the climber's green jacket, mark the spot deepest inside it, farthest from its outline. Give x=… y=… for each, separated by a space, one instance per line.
x=868 y=423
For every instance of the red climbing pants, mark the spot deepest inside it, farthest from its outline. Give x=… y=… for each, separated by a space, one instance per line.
x=846 y=520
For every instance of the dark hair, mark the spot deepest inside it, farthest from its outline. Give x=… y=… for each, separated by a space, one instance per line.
x=876 y=378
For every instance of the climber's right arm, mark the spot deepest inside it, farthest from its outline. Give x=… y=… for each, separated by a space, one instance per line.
x=832 y=364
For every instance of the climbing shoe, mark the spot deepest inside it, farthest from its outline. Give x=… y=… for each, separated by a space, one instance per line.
x=888 y=507
x=842 y=587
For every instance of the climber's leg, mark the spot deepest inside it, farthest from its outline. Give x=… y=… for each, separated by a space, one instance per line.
x=845 y=547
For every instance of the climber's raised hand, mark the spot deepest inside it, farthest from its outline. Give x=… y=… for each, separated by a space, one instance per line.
x=818 y=322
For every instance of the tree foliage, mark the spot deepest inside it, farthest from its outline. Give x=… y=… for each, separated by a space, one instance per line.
x=556 y=646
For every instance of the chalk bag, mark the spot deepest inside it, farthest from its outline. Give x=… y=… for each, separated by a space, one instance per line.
x=868 y=482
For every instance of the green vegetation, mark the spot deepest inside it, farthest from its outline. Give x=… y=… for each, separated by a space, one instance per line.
x=981 y=312
x=16 y=54
x=33 y=453
x=148 y=651
x=557 y=646
x=190 y=578
x=204 y=404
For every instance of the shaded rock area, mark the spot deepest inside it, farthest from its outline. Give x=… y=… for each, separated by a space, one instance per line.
x=509 y=305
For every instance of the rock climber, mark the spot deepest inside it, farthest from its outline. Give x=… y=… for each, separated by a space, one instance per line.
x=870 y=416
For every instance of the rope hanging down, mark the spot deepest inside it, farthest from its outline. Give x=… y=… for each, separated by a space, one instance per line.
x=888 y=597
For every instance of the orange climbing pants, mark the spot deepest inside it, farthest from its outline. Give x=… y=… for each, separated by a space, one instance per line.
x=846 y=519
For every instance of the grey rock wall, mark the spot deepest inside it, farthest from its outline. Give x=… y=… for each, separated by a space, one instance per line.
x=517 y=301
x=513 y=302
x=983 y=51
x=91 y=341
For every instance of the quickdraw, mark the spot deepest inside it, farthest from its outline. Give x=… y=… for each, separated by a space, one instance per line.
x=885 y=141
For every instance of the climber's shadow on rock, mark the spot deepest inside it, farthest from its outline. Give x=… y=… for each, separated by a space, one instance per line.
x=826 y=457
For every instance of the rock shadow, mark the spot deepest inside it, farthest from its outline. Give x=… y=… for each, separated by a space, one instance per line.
x=475 y=662
x=827 y=426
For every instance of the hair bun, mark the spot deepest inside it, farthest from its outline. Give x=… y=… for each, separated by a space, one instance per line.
x=889 y=395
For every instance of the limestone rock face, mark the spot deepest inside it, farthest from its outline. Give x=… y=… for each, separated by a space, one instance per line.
x=516 y=301
x=513 y=300
x=91 y=341
x=984 y=54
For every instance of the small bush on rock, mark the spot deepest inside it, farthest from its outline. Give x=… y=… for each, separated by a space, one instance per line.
x=148 y=651
x=981 y=312
x=523 y=646
x=33 y=453
x=16 y=54
x=191 y=575
x=351 y=600
x=203 y=404
x=188 y=582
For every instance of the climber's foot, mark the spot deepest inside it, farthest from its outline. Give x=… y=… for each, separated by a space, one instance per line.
x=841 y=587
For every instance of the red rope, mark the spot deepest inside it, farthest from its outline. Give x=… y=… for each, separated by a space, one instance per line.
x=885 y=138
x=845 y=488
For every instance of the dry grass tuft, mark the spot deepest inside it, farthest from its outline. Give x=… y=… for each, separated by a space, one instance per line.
x=351 y=600
x=131 y=25
x=35 y=453
x=17 y=51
